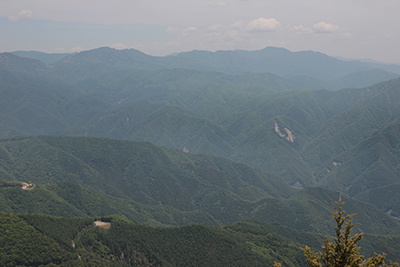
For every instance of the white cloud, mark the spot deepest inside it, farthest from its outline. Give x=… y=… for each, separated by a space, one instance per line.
x=59 y=50
x=320 y=28
x=323 y=27
x=232 y=35
x=172 y=29
x=263 y=24
x=215 y=27
x=77 y=49
x=191 y=29
x=301 y=29
x=118 y=46
x=24 y=14
x=187 y=31
x=238 y=24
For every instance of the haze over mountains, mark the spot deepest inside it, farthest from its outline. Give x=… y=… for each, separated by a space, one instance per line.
x=287 y=120
x=279 y=61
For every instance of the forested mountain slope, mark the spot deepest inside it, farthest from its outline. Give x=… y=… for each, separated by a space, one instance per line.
x=48 y=241
x=150 y=184
x=73 y=200
x=372 y=163
x=32 y=240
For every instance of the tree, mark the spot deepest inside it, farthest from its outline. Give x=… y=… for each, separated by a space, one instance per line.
x=343 y=251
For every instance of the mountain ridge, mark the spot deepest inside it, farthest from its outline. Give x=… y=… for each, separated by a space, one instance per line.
x=274 y=60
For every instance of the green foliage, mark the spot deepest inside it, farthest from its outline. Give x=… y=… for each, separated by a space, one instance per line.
x=192 y=245
x=61 y=229
x=369 y=165
x=71 y=200
x=344 y=250
x=128 y=244
x=386 y=198
x=23 y=245
x=34 y=240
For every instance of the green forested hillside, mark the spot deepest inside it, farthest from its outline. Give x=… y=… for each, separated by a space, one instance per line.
x=377 y=106
x=92 y=161
x=34 y=240
x=55 y=241
x=141 y=172
x=369 y=171
x=72 y=200
x=154 y=185
x=386 y=198
x=23 y=245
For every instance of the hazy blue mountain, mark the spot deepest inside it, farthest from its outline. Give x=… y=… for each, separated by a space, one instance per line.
x=274 y=60
x=24 y=66
x=371 y=163
x=376 y=107
x=386 y=198
x=47 y=58
x=364 y=78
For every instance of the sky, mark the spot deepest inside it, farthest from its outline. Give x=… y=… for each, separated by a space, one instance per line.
x=357 y=29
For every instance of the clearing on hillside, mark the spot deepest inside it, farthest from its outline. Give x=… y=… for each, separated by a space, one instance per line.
x=104 y=225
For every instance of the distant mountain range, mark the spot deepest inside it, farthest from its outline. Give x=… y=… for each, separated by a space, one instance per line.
x=200 y=137
x=273 y=60
x=47 y=58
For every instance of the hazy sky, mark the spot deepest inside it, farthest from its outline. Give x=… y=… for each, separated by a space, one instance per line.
x=347 y=28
